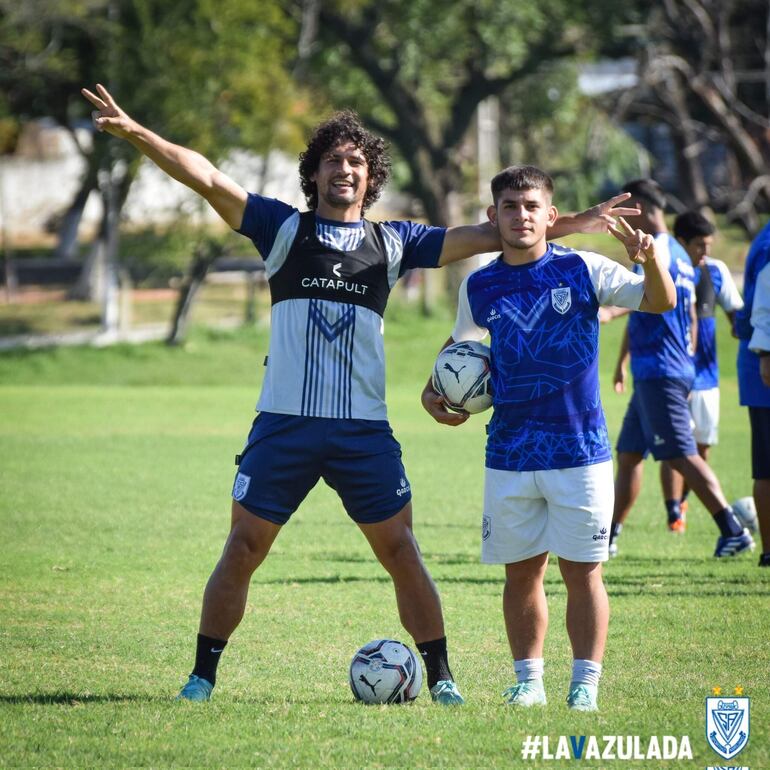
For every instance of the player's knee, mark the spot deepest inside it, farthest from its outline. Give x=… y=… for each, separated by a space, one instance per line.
x=580 y=575
x=400 y=553
x=244 y=551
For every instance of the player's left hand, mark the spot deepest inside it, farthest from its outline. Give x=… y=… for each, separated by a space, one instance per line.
x=603 y=216
x=640 y=246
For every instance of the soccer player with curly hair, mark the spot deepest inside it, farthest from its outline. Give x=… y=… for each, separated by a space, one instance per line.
x=321 y=413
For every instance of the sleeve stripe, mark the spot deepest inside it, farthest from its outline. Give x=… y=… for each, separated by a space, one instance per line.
x=282 y=245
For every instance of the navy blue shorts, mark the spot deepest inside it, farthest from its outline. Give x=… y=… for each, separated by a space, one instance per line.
x=658 y=420
x=286 y=455
x=760 y=442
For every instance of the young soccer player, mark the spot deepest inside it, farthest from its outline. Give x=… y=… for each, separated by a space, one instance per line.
x=714 y=286
x=658 y=417
x=548 y=477
x=322 y=408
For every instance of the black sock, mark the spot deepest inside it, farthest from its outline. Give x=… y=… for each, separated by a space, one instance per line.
x=207 y=657
x=685 y=495
x=434 y=655
x=728 y=525
x=674 y=510
x=615 y=529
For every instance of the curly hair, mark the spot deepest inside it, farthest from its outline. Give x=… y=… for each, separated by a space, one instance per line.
x=340 y=128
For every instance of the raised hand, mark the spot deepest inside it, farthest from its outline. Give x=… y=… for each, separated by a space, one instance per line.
x=600 y=218
x=107 y=116
x=640 y=246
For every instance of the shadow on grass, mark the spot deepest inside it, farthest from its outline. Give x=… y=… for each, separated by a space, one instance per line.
x=72 y=699
x=12 y=326
x=368 y=558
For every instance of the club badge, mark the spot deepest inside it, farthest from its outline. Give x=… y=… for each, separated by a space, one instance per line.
x=727 y=725
x=561 y=299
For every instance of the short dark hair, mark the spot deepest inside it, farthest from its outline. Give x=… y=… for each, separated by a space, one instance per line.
x=647 y=190
x=521 y=178
x=340 y=128
x=692 y=224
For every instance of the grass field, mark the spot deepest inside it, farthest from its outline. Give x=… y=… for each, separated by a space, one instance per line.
x=115 y=469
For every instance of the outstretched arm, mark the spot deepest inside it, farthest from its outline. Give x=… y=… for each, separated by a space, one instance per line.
x=466 y=240
x=186 y=166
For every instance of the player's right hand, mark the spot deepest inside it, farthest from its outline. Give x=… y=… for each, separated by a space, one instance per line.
x=434 y=405
x=107 y=116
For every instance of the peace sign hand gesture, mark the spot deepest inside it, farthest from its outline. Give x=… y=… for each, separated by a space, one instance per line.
x=640 y=246
x=108 y=116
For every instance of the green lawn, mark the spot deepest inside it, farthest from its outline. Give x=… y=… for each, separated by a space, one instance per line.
x=115 y=470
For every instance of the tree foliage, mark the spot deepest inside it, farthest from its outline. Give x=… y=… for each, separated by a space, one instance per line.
x=705 y=68
x=418 y=70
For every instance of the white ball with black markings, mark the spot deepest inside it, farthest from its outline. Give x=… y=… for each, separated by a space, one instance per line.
x=385 y=671
x=463 y=377
x=745 y=511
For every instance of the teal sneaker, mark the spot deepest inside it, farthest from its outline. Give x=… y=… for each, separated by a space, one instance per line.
x=530 y=693
x=446 y=693
x=196 y=689
x=582 y=697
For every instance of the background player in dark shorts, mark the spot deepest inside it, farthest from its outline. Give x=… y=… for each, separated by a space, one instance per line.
x=661 y=349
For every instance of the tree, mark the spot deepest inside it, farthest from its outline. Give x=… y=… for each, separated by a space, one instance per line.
x=706 y=70
x=417 y=70
x=211 y=74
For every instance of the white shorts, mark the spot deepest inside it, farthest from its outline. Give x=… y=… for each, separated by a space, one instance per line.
x=704 y=409
x=567 y=512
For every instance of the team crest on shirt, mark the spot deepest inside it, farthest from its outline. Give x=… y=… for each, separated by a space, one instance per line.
x=241 y=486
x=561 y=299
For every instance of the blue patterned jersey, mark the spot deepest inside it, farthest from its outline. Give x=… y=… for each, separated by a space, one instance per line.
x=752 y=323
x=713 y=286
x=329 y=283
x=542 y=317
x=661 y=344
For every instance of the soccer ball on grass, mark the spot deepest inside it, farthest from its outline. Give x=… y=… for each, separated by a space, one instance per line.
x=745 y=511
x=462 y=376
x=385 y=671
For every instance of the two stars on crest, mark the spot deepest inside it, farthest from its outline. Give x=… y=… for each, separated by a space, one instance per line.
x=716 y=691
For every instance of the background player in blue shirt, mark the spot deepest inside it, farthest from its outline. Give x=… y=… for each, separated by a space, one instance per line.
x=658 y=417
x=714 y=287
x=548 y=477
x=322 y=407
x=753 y=329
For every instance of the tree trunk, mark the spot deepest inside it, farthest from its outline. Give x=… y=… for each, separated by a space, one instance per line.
x=694 y=190
x=67 y=243
x=87 y=286
x=205 y=254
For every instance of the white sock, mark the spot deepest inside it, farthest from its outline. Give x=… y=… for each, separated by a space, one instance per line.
x=529 y=669
x=586 y=672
